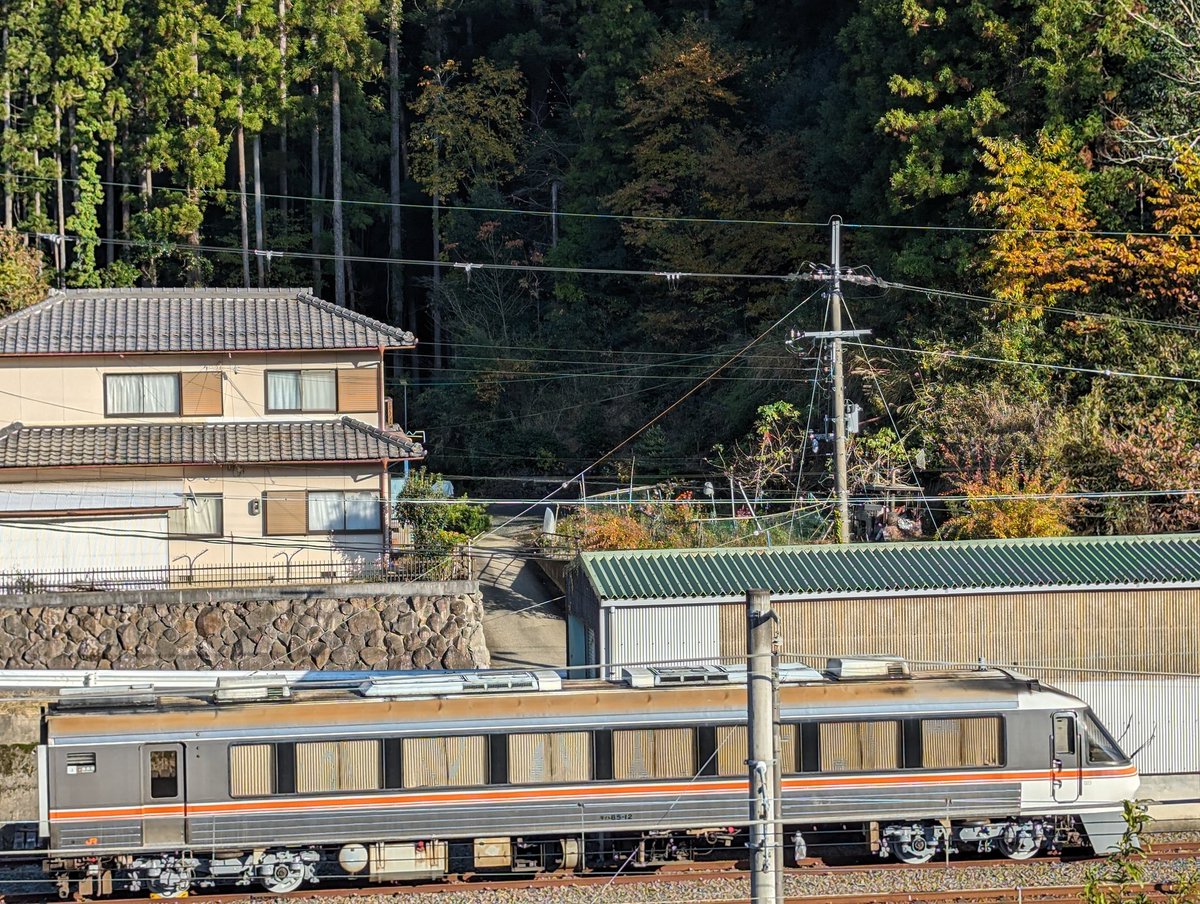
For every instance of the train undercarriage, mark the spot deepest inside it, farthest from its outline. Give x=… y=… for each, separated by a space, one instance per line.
x=281 y=870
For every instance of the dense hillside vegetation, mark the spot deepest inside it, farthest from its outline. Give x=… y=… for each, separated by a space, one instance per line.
x=1029 y=168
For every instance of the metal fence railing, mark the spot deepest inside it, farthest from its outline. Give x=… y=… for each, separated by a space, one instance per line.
x=402 y=565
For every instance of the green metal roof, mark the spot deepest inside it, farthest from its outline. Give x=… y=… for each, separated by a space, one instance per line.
x=896 y=569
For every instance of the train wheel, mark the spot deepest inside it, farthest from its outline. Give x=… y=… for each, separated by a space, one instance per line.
x=916 y=850
x=283 y=878
x=1019 y=844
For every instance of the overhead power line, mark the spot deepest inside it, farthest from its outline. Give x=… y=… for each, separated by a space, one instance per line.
x=1041 y=365
x=547 y=214
x=671 y=277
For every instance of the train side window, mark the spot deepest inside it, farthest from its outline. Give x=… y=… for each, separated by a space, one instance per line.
x=810 y=747
x=164 y=773
x=733 y=749
x=1101 y=748
x=285 y=767
x=393 y=776
x=549 y=757
x=958 y=743
x=338 y=766
x=859 y=746
x=654 y=753
x=1064 y=735
x=454 y=762
x=81 y=763
x=602 y=752
x=251 y=770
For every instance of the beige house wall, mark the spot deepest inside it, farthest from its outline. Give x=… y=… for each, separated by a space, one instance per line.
x=70 y=390
x=242 y=541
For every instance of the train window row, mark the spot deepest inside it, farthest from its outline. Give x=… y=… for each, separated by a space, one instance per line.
x=314 y=767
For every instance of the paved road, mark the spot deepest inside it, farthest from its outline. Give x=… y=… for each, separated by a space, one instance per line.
x=524 y=623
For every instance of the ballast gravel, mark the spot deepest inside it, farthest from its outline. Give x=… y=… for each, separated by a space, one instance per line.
x=858 y=882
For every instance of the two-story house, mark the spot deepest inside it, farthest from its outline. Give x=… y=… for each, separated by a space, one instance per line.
x=177 y=428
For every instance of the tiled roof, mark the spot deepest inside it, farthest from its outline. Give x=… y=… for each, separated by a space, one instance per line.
x=129 y=321
x=896 y=569
x=346 y=439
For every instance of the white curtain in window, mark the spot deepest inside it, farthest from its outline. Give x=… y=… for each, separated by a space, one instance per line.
x=142 y=393
x=160 y=393
x=362 y=511
x=283 y=390
x=199 y=516
x=318 y=390
x=124 y=393
x=326 y=512
x=204 y=517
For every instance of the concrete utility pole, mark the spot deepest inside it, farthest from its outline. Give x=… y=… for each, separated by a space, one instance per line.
x=838 y=372
x=765 y=873
x=839 y=382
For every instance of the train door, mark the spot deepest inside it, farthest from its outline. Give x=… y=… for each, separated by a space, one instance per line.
x=1066 y=760
x=163 y=801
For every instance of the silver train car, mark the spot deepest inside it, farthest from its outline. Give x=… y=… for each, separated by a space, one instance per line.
x=423 y=776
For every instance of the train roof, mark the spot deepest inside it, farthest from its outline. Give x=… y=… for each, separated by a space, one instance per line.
x=462 y=701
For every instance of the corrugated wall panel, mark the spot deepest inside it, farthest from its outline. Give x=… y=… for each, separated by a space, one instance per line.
x=445 y=762
x=250 y=770
x=859 y=746
x=674 y=754
x=732 y=750
x=654 y=753
x=466 y=761
x=549 y=757
x=1153 y=631
x=981 y=742
x=316 y=766
x=941 y=743
x=663 y=635
x=633 y=753
x=528 y=759
x=1157 y=720
x=789 y=747
x=358 y=765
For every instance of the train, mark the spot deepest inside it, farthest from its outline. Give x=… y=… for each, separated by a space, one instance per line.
x=415 y=777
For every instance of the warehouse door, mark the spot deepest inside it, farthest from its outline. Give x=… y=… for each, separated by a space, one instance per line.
x=1066 y=763
x=163 y=801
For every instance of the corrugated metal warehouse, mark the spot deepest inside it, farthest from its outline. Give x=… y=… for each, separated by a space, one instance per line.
x=1111 y=619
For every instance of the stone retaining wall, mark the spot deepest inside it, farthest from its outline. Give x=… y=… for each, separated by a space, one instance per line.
x=420 y=625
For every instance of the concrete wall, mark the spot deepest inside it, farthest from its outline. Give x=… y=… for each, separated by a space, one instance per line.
x=19 y=734
x=70 y=390
x=350 y=626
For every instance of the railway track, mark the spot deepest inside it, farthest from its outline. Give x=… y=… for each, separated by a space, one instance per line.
x=723 y=871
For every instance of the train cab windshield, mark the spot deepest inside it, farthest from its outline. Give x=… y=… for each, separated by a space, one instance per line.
x=1101 y=748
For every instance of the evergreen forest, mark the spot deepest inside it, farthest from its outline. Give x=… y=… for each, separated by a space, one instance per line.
x=587 y=210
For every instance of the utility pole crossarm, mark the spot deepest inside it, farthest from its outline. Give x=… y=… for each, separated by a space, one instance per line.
x=824 y=274
x=840 y=334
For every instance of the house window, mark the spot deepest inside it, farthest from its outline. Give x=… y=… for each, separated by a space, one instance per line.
x=200 y=516
x=301 y=390
x=127 y=395
x=343 y=513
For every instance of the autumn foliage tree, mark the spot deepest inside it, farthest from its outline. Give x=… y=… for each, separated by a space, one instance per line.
x=1161 y=453
x=22 y=280
x=1008 y=503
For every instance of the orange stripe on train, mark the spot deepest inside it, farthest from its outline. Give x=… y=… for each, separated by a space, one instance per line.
x=527 y=795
